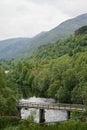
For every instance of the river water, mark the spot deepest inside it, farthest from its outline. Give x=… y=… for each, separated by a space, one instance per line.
x=50 y=115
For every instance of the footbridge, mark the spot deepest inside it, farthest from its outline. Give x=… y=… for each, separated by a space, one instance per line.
x=54 y=106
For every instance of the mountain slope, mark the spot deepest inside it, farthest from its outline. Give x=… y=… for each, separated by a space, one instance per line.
x=57 y=70
x=20 y=47
x=62 y=31
x=9 y=48
x=68 y=27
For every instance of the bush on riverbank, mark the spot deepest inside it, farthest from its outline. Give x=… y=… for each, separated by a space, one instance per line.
x=67 y=125
x=8 y=121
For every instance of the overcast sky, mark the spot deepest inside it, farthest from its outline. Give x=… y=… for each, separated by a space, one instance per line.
x=26 y=18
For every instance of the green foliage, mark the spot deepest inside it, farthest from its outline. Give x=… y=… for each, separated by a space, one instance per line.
x=31 y=116
x=75 y=115
x=7 y=97
x=82 y=30
x=58 y=70
x=53 y=72
x=8 y=122
x=70 y=46
x=79 y=116
x=70 y=125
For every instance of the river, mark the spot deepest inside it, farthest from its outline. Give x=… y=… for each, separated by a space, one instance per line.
x=50 y=115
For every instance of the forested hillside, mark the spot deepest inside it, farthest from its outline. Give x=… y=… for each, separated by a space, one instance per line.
x=21 y=47
x=58 y=70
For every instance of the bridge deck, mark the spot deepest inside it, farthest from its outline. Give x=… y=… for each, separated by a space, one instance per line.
x=55 y=106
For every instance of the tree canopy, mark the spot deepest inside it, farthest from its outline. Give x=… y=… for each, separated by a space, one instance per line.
x=57 y=70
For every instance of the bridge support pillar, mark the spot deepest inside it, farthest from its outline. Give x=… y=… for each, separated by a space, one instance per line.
x=19 y=112
x=41 y=116
x=68 y=115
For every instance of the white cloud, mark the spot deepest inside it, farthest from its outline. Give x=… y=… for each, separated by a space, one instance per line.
x=25 y=18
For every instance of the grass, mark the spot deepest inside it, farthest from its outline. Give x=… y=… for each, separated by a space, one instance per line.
x=67 y=125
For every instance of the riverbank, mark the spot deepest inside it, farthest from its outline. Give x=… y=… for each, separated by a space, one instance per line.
x=26 y=125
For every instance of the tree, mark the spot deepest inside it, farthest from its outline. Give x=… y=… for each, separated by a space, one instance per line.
x=52 y=90
x=82 y=30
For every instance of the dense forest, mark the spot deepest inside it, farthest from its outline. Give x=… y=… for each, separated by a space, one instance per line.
x=57 y=70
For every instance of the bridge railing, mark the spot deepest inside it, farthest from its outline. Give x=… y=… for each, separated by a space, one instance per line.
x=56 y=106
